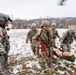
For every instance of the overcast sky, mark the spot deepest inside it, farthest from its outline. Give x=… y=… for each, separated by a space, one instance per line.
x=31 y=9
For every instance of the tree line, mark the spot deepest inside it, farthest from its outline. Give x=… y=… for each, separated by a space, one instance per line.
x=60 y=22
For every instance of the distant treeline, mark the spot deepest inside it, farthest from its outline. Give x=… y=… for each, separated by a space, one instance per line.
x=60 y=22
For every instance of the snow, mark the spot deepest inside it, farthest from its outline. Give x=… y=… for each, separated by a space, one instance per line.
x=21 y=49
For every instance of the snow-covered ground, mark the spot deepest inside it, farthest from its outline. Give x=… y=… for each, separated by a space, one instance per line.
x=24 y=62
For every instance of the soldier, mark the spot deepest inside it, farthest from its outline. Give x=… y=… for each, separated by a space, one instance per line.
x=54 y=32
x=29 y=37
x=67 y=39
x=4 y=44
x=46 y=37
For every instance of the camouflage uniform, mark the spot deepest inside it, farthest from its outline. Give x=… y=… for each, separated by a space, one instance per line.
x=4 y=45
x=55 y=33
x=67 y=40
x=29 y=37
x=46 y=38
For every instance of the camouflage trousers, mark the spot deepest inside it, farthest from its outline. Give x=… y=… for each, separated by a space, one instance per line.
x=6 y=58
x=35 y=49
x=3 y=67
x=46 y=59
x=53 y=42
x=66 y=47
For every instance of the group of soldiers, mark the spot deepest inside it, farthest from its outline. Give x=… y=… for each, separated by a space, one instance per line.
x=48 y=35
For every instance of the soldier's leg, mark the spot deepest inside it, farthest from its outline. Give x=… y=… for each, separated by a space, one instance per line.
x=6 y=57
x=2 y=63
x=47 y=61
x=33 y=49
x=54 y=43
x=5 y=72
x=37 y=50
x=3 y=69
x=44 y=58
x=51 y=56
x=6 y=60
x=68 y=47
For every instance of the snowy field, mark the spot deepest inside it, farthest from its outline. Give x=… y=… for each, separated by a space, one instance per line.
x=24 y=62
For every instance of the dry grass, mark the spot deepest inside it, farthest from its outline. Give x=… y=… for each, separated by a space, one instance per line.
x=24 y=70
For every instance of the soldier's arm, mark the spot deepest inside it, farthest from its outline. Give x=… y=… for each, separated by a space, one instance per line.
x=36 y=36
x=27 y=37
x=2 y=50
x=74 y=36
x=57 y=34
x=63 y=36
x=51 y=37
x=1 y=35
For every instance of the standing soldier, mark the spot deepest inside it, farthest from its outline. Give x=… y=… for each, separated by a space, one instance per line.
x=4 y=44
x=54 y=32
x=45 y=35
x=67 y=39
x=29 y=37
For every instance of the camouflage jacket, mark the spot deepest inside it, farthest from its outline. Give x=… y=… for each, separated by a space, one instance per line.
x=30 y=35
x=55 y=33
x=4 y=40
x=46 y=37
x=66 y=38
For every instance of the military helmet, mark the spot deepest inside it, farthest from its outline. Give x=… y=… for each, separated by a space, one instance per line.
x=53 y=24
x=33 y=25
x=44 y=22
x=4 y=18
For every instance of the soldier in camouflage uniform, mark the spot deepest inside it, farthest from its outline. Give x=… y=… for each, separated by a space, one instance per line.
x=67 y=39
x=55 y=33
x=29 y=37
x=4 y=44
x=46 y=37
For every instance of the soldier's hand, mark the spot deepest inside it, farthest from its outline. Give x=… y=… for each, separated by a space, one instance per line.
x=40 y=46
